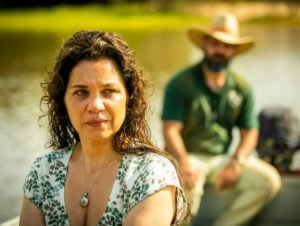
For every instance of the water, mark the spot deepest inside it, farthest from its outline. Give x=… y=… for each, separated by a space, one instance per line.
x=272 y=68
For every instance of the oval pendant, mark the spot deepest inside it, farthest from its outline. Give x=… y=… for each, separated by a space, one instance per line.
x=84 y=201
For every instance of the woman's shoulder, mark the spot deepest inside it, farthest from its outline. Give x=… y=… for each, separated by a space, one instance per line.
x=149 y=165
x=54 y=155
x=147 y=159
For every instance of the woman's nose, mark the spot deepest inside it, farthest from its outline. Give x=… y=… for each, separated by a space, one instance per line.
x=95 y=104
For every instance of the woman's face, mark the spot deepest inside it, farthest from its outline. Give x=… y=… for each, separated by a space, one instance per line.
x=96 y=99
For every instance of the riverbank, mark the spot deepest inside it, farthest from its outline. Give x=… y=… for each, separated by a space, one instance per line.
x=143 y=16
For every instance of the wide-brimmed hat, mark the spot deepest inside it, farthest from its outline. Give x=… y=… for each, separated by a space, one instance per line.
x=224 y=28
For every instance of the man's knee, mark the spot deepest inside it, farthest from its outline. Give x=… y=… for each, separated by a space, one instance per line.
x=270 y=180
x=273 y=182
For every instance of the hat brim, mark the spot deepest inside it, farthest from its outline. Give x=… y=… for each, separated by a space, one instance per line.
x=197 y=36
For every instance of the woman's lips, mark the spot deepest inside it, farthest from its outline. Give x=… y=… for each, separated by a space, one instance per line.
x=96 y=123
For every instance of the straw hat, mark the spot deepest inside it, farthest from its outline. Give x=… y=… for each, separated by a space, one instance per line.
x=224 y=28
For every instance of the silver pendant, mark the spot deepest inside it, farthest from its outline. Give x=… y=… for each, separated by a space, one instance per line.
x=84 y=201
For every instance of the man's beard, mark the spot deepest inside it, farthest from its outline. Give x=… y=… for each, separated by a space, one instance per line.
x=216 y=63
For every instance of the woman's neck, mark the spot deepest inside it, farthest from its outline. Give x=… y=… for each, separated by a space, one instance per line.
x=95 y=155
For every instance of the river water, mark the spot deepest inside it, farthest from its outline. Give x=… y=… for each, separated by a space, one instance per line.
x=272 y=68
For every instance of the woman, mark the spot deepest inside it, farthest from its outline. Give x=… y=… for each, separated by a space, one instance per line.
x=104 y=170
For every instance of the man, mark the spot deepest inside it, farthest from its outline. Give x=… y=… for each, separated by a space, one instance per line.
x=202 y=105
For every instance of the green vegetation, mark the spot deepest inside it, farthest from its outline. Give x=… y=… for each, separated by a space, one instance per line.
x=143 y=17
x=67 y=18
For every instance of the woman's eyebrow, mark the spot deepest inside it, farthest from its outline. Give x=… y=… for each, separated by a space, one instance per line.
x=76 y=86
x=107 y=84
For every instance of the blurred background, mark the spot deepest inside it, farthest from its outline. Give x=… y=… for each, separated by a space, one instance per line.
x=32 y=31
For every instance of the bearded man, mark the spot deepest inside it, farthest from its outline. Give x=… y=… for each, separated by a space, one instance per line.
x=203 y=103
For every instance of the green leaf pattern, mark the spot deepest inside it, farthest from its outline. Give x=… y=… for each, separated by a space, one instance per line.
x=138 y=177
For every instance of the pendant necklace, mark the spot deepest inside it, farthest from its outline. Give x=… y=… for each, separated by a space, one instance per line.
x=84 y=201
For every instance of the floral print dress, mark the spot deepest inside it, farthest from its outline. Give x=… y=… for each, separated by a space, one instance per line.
x=137 y=178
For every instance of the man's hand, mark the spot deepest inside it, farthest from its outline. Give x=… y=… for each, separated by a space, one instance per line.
x=229 y=176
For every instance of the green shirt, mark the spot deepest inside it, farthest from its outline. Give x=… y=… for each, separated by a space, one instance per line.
x=208 y=116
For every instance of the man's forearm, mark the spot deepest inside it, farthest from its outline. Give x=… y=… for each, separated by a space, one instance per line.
x=248 y=142
x=173 y=140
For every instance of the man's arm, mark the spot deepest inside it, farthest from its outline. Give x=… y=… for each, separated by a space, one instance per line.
x=248 y=142
x=175 y=145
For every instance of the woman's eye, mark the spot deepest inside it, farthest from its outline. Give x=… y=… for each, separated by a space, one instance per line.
x=81 y=92
x=108 y=92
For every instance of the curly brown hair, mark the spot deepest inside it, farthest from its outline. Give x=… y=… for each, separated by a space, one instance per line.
x=92 y=45
x=134 y=135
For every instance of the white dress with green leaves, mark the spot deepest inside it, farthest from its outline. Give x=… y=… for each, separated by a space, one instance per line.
x=137 y=178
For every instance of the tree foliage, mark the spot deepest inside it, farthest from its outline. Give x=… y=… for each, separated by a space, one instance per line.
x=163 y=4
